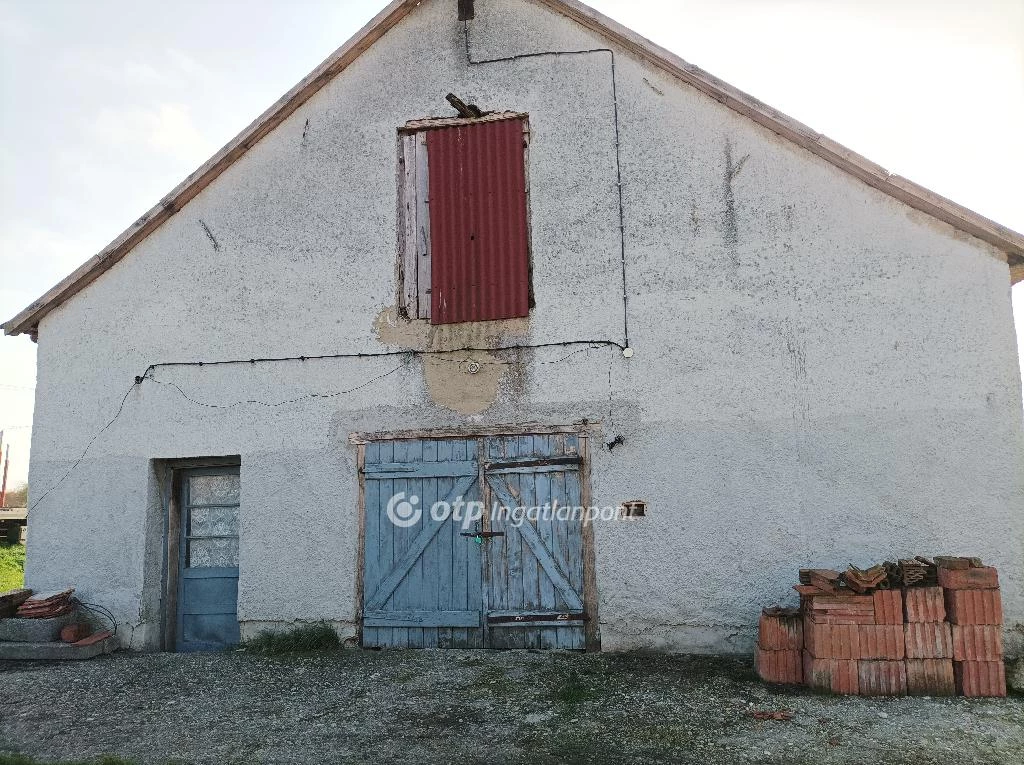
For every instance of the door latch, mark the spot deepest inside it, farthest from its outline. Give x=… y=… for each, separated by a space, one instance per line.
x=479 y=536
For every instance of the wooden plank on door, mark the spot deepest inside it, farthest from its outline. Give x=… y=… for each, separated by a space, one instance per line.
x=416 y=546
x=531 y=538
x=536 y=569
x=408 y=231
x=410 y=596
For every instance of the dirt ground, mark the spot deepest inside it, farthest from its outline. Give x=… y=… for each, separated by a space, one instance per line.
x=473 y=707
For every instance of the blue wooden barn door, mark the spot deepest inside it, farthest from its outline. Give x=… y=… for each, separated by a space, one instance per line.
x=208 y=559
x=534 y=562
x=422 y=583
x=434 y=580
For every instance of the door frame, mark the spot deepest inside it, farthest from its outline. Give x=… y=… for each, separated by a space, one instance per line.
x=170 y=474
x=591 y=629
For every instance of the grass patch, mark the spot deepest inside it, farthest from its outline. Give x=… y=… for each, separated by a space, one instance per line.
x=573 y=690
x=12 y=572
x=319 y=636
x=574 y=747
x=493 y=681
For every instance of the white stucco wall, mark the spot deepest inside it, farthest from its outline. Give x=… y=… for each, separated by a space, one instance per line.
x=821 y=374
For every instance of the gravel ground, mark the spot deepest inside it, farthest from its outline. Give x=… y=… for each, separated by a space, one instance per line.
x=473 y=706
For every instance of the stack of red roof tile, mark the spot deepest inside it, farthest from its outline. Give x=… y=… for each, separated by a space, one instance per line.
x=874 y=639
x=47 y=605
x=851 y=644
x=929 y=643
x=11 y=599
x=779 y=641
x=975 y=610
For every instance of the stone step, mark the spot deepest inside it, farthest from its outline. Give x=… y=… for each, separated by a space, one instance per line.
x=55 y=651
x=34 y=630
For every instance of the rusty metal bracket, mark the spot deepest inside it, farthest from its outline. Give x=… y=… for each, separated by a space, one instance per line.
x=530 y=618
x=529 y=463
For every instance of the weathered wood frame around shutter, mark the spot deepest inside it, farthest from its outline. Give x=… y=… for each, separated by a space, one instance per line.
x=414 y=225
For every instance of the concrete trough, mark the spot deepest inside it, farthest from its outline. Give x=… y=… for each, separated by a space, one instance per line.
x=56 y=651
x=34 y=630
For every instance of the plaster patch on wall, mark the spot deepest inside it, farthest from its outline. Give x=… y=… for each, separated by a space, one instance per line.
x=465 y=381
x=392 y=329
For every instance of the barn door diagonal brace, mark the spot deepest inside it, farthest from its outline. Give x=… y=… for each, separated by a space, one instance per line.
x=402 y=566
x=539 y=549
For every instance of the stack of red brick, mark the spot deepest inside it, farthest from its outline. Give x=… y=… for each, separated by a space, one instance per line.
x=975 y=612
x=780 y=640
x=925 y=640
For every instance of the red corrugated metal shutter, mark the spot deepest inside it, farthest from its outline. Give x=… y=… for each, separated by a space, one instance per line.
x=480 y=263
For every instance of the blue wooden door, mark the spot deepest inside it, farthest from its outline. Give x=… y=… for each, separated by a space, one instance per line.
x=208 y=559
x=429 y=580
x=421 y=577
x=534 y=579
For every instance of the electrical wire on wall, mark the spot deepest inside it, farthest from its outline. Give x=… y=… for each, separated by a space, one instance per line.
x=88 y=446
x=380 y=354
x=308 y=396
x=273 y=404
x=99 y=610
x=149 y=376
x=627 y=349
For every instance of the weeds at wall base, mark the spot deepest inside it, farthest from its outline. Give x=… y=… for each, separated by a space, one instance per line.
x=319 y=636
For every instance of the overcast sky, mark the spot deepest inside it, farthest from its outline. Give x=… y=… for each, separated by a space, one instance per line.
x=106 y=105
